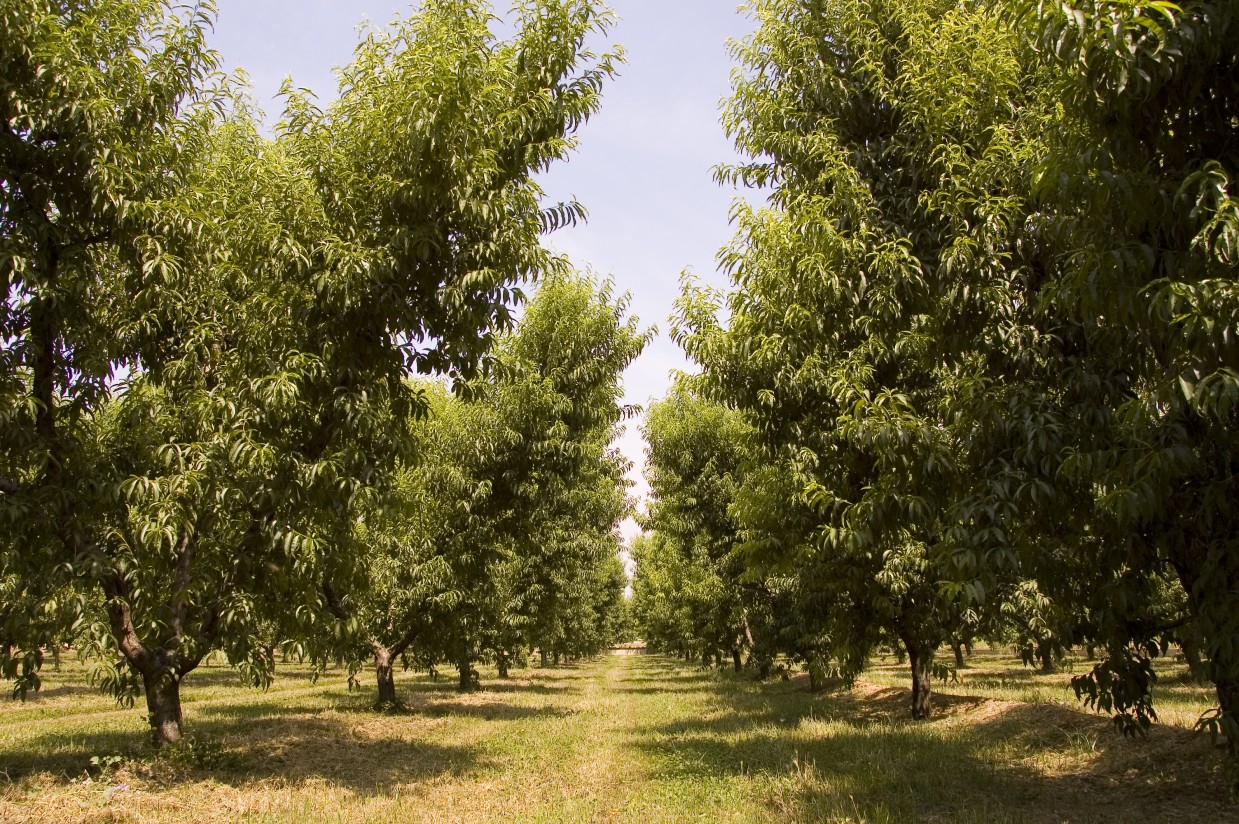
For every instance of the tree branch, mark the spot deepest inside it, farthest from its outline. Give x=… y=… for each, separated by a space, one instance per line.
x=180 y=586
x=408 y=638
x=121 y=620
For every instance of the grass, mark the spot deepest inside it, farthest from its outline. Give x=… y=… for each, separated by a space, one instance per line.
x=620 y=738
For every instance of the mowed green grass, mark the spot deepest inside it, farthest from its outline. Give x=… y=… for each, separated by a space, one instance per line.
x=619 y=738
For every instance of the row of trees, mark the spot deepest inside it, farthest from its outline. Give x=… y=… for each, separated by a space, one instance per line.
x=979 y=356
x=209 y=437
x=502 y=536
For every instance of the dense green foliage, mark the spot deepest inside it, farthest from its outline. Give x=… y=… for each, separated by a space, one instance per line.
x=977 y=376
x=207 y=333
x=501 y=534
x=687 y=593
x=983 y=332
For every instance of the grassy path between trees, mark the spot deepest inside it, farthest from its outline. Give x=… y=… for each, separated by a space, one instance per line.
x=621 y=738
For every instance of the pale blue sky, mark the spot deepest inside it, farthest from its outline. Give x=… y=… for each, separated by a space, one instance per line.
x=643 y=169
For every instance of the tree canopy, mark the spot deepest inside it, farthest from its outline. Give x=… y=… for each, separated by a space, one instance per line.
x=207 y=332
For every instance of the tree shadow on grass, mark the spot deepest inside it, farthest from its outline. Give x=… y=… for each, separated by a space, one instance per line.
x=866 y=771
x=467 y=707
x=46 y=693
x=380 y=756
x=857 y=755
x=505 y=687
x=244 y=745
x=1093 y=773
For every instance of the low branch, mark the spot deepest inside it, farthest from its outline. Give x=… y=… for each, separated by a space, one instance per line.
x=400 y=646
x=123 y=629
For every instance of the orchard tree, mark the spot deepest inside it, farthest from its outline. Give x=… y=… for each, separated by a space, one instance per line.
x=267 y=298
x=875 y=325
x=696 y=455
x=661 y=588
x=501 y=530
x=1137 y=235
x=101 y=110
x=574 y=343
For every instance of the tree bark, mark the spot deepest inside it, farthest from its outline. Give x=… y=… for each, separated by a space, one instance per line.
x=163 y=706
x=386 y=677
x=501 y=662
x=545 y=662
x=161 y=670
x=960 y=663
x=735 y=659
x=1228 y=701
x=1195 y=664
x=1045 y=654
x=465 y=666
x=922 y=659
x=384 y=667
x=45 y=330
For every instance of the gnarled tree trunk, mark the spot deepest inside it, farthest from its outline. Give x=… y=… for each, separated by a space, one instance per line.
x=1195 y=663
x=1228 y=700
x=161 y=670
x=385 y=676
x=384 y=666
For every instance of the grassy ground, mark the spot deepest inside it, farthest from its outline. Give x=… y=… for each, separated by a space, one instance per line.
x=623 y=738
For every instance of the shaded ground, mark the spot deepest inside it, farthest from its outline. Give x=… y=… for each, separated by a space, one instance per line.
x=622 y=738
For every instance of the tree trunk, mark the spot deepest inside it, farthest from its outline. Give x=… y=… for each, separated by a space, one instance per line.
x=161 y=672
x=556 y=659
x=501 y=661
x=1228 y=701
x=1195 y=664
x=545 y=664
x=922 y=659
x=386 y=678
x=465 y=665
x=960 y=663
x=735 y=659
x=163 y=706
x=1045 y=654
